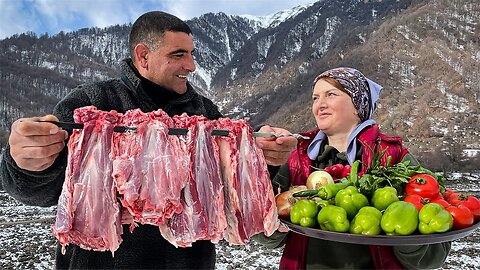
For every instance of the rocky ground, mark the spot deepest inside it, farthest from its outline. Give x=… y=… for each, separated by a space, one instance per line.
x=26 y=241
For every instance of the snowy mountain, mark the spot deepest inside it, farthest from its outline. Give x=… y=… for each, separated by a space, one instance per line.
x=424 y=53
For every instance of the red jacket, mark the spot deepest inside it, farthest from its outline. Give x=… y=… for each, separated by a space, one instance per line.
x=294 y=254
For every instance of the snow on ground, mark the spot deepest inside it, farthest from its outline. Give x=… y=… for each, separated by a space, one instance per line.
x=27 y=243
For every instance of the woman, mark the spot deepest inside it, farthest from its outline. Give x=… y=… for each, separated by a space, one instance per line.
x=343 y=103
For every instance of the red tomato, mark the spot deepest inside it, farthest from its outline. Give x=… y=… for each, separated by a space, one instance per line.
x=447 y=193
x=471 y=202
x=453 y=194
x=462 y=216
x=442 y=202
x=424 y=185
x=440 y=196
x=417 y=200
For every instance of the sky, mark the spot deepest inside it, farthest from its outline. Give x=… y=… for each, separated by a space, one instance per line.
x=53 y=16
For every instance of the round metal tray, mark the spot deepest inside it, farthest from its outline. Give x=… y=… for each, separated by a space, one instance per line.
x=382 y=240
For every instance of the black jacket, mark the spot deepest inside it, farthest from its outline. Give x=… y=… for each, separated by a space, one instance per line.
x=145 y=247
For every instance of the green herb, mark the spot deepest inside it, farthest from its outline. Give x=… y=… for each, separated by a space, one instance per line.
x=377 y=175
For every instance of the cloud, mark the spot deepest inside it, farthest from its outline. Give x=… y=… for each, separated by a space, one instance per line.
x=15 y=18
x=53 y=16
x=63 y=14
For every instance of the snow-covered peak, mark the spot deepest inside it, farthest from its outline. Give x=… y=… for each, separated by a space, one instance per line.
x=275 y=19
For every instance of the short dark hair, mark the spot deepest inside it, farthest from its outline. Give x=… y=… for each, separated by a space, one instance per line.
x=151 y=27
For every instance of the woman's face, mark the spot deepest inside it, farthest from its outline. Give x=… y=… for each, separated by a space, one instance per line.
x=333 y=109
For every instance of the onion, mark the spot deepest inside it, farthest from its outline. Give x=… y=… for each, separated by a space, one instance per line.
x=285 y=201
x=318 y=178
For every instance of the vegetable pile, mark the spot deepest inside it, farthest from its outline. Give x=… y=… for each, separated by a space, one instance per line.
x=399 y=199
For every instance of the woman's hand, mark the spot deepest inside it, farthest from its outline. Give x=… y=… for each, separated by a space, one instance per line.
x=276 y=149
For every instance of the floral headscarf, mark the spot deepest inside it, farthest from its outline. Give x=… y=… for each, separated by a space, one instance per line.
x=363 y=91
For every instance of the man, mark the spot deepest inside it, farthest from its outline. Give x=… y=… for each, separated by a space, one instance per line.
x=34 y=162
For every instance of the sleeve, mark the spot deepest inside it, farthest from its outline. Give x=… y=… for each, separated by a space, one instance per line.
x=41 y=188
x=276 y=240
x=77 y=98
x=281 y=179
x=422 y=257
x=33 y=188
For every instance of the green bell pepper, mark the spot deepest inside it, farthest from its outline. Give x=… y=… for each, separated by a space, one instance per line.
x=333 y=218
x=400 y=218
x=370 y=211
x=367 y=221
x=304 y=213
x=351 y=200
x=383 y=197
x=323 y=203
x=434 y=219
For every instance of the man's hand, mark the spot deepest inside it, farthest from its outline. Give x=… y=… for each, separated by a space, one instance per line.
x=33 y=145
x=276 y=150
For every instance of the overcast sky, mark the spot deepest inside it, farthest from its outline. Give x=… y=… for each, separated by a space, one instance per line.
x=53 y=16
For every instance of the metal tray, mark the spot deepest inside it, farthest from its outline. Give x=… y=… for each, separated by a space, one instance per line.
x=382 y=240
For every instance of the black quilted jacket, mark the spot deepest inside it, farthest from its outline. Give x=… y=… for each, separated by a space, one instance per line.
x=144 y=248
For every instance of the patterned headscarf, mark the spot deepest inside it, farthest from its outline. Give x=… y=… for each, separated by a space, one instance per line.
x=363 y=91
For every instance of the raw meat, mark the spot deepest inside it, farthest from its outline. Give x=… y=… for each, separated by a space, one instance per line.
x=249 y=198
x=203 y=217
x=88 y=213
x=149 y=168
x=193 y=187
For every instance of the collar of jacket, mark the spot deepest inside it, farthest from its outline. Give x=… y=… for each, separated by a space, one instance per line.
x=314 y=145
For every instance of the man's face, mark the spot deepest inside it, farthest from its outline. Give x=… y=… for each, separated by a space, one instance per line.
x=170 y=64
